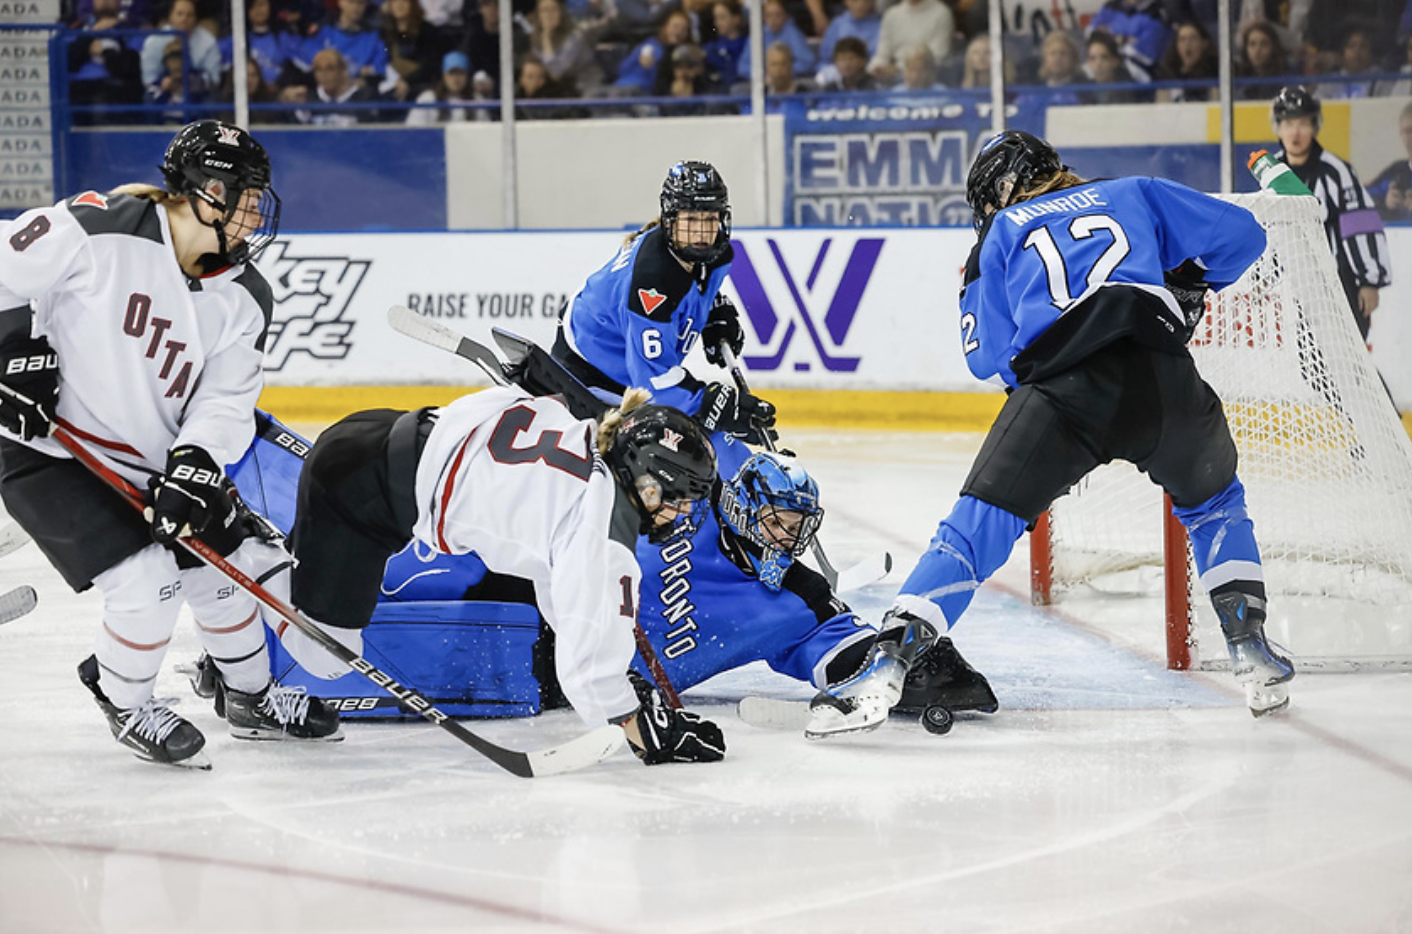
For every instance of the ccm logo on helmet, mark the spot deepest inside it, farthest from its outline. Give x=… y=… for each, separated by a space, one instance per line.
x=671 y=440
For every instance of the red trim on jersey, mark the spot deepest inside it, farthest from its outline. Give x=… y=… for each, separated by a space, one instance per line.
x=134 y=645
x=117 y=446
x=447 y=491
x=229 y=629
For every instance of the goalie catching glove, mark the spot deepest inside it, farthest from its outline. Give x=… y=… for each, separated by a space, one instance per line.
x=670 y=735
x=722 y=327
x=29 y=370
x=190 y=497
x=1188 y=286
x=738 y=414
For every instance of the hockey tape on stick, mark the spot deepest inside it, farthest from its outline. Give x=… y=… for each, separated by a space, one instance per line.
x=592 y=747
x=17 y=603
x=406 y=321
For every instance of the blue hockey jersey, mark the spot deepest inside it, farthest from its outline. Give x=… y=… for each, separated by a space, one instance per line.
x=1054 y=278
x=637 y=318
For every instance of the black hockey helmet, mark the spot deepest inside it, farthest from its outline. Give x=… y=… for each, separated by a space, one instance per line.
x=661 y=455
x=696 y=186
x=1006 y=165
x=1295 y=101
x=208 y=151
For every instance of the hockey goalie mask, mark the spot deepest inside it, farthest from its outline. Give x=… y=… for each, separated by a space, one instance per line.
x=773 y=503
x=1007 y=165
x=696 y=210
x=225 y=167
x=664 y=460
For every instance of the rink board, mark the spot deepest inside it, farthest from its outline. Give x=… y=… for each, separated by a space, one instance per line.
x=469 y=658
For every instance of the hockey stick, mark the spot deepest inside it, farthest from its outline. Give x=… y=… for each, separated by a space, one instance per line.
x=865 y=571
x=17 y=603
x=654 y=665
x=592 y=747
x=12 y=537
x=428 y=331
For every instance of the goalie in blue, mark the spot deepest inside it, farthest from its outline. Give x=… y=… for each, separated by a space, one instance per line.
x=1080 y=297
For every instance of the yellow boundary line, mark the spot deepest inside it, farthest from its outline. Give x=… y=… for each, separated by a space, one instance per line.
x=898 y=411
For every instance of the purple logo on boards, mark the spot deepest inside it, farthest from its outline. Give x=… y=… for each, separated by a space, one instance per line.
x=822 y=306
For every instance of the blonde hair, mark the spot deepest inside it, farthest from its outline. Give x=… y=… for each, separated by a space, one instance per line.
x=608 y=429
x=1056 y=182
x=148 y=193
x=642 y=230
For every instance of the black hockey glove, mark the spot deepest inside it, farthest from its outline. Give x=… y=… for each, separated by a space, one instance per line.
x=29 y=370
x=672 y=735
x=1188 y=286
x=722 y=327
x=739 y=414
x=189 y=497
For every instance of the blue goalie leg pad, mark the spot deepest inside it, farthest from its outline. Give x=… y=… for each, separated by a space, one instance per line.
x=1223 y=539
x=969 y=546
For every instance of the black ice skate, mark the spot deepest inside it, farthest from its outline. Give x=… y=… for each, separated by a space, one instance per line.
x=152 y=731
x=202 y=674
x=940 y=677
x=277 y=712
x=1264 y=673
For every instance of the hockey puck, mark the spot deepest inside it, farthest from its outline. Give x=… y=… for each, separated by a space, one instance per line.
x=937 y=720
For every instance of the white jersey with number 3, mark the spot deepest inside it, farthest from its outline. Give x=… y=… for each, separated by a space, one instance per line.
x=149 y=359
x=517 y=480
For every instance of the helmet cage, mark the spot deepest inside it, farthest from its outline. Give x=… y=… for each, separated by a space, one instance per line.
x=763 y=486
x=696 y=187
x=217 y=163
x=1007 y=164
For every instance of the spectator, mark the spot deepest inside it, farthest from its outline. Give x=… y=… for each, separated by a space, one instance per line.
x=919 y=70
x=638 y=70
x=1190 y=57
x=1402 y=87
x=928 y=22
x=860 y=19
x=454 y=88
x=1392 y=189
x=1105 y=67
x=333 y=84
x=201 y=48
x=359 y=46
x=537 y=83
x=593 y=16
x=780 y=78
x=1356 y=69
x=1140 y=30
x=1261 y=56
x=102 y=71
x=267 y=42
x=482 y=45
x=1287 y=19
x=687 y=77
x=975 y=65
x=724 y=53
x=634 y=18
x=445 y=14
x=111 y=14
x=850 y=67
x=779 y=27
x=414 y=48
x=1059 y=68
x=175 y=86
x=564 y=48
x=258 y=89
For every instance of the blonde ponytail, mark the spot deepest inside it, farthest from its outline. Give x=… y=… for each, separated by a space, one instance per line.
x=148 y=193
x=608 y=429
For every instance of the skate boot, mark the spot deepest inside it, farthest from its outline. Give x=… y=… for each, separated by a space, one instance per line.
x=202 y=675
x=1264 y=673
x=942 y=678
x=862 y=701
x=277 y=712
x=152 y=731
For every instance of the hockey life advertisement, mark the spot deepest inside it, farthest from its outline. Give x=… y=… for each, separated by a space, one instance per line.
x=825 y=309
x=899 y=160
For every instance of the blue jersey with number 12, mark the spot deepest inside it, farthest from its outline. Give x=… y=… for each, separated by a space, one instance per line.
x=1043 y=258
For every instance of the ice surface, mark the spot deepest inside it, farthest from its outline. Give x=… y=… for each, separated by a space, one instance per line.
x=1107 y=794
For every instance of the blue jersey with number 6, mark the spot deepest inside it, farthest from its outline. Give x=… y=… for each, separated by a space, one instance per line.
x=1093 y=257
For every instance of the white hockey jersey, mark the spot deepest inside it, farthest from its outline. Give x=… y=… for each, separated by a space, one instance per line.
x=517 y=480
x=149 y=358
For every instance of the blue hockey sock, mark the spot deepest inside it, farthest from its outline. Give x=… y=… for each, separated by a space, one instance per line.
x=1223 y=540
x=969 y=546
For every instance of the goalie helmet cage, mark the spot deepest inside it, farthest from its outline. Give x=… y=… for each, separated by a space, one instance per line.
x=1325 y=460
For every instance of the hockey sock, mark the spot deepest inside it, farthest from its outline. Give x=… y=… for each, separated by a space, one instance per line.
x=1223 y=541
x=228 y=621
x=141 y=599
x=969 y=546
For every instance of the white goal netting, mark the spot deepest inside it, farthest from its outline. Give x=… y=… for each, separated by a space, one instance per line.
x=1324 y=457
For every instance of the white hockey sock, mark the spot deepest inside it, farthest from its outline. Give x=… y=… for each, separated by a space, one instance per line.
x=141 y=601
x=273 y=565
x=228 y=621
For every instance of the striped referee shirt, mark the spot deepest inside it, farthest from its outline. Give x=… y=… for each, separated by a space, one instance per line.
x=1351 y=220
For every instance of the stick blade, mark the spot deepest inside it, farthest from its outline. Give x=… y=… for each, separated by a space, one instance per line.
x=865 y=572
x=12 y=537
x=17 y=603
x=773 y=713
x=589 y=749
x=424 y=329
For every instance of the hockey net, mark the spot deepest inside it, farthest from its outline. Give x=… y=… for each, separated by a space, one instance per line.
x=1324 y=457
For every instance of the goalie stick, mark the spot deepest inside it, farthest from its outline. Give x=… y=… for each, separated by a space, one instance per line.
x=778 y=713
x=865 y=571
x=585 y=750
x=17 y=603
x=12 y=537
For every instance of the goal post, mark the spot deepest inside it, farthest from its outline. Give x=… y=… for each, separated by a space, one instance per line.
x=1324 y=457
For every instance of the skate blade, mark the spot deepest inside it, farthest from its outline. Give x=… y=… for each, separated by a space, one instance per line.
x=276 y=736
x=199 y=762
x=1264 y=700
x=829 y=723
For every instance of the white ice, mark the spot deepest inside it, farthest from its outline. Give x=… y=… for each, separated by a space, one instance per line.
x=1107 y=795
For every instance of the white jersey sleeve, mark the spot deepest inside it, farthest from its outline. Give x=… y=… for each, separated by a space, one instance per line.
x=41 y=251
